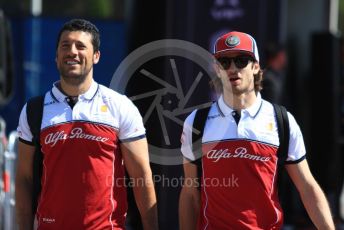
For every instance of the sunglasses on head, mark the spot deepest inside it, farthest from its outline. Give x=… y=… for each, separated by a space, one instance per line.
x=240 y=61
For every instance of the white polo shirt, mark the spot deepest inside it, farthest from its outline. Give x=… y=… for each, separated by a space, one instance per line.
x=257 y=122
x=98 y=104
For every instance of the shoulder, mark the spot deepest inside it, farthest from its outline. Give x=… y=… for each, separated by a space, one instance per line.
x=113 y=97
x=109 y=93
x=213 y=113
x=268 y=108
x=120 y=105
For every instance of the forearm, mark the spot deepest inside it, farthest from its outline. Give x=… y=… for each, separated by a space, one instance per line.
x=23 y=196
x=136 y=160
x=189 y=207
x=146 y=202
x=317 y=207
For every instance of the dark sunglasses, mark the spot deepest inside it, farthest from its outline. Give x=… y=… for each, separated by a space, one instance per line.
x=240 y=61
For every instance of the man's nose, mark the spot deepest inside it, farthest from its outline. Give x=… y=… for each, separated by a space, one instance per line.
x=232 y=66
x=73 y=49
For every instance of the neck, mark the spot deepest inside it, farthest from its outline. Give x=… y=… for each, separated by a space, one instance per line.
x=239 y=101
x=74 y=90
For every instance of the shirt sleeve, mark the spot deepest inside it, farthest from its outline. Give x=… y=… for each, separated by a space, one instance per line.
x=186 y=138
x=297 y=150
x=23 y=128
x=130 y=124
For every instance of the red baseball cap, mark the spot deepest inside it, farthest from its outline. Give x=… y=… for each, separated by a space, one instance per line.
x=236 y=42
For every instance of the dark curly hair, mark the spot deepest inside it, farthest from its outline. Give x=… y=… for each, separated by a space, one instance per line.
x=82 y=25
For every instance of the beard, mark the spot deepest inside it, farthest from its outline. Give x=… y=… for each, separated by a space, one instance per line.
x=238 y=92
x=72 y=78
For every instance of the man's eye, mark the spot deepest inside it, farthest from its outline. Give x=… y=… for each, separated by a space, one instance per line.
x=81 y=47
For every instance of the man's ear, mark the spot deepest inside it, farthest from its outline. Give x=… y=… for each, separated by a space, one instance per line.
x=256 y=67
x=96 y=57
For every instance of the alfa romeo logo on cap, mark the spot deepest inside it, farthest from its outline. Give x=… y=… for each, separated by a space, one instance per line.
x=232 y=41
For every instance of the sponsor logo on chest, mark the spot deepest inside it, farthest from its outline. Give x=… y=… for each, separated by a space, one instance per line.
x=217 y=154
x=76 y=133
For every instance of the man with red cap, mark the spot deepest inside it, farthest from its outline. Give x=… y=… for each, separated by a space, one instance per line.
x=239 y=161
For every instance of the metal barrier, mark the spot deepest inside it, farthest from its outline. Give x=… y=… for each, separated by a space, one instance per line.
x=3 y=143
x=10 y=162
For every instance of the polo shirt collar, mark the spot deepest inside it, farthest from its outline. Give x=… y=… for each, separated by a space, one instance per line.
x=88 y=95
x=254 y=109
x=91 y=92
x=225 y=110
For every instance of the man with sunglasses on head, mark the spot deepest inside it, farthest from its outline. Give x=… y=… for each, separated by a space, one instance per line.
x=232 y=185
